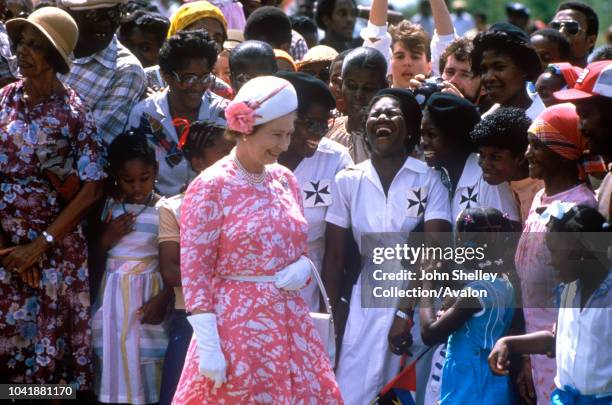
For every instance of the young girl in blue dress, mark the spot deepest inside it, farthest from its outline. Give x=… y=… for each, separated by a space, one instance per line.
x=129 y=337
x=471 y=326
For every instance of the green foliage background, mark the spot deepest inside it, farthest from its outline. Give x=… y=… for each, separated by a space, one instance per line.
x=542 y=10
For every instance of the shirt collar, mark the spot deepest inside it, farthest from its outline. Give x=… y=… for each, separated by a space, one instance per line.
x=162 y=106
x=107 y=57
x=471 y=172
x=604 y=287
x=411 y=164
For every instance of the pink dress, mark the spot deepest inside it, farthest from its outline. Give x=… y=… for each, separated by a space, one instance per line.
x=538 y=281
x=232 y=228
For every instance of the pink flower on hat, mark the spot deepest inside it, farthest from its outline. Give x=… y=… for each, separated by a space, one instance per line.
x=240 y=117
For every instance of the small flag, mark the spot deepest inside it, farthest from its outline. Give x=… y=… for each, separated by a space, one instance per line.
x=402 y=389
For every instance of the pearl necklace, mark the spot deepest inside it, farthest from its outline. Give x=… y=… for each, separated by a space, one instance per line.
x=251 y=178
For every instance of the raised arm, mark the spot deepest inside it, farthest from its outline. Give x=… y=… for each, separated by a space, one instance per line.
x=444 y=33
x=442 y=18
x=375 y=35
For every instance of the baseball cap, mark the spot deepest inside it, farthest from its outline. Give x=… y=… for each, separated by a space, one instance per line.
x=595 y=80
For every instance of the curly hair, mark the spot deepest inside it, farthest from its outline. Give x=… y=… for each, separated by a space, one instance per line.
x=460 y=49
x=505 y=128
x=412 y=37
x=522 y=53
x=185 y=46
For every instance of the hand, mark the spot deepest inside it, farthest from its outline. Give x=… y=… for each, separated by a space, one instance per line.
x=22 y=257
x=117 y=229
x=154 y=311
x=212 y=362
x=31 y=277
x=498 y=358
x=294 y=276
x=417 y=81
x=524 y=383
x=450 y=88
x=400 y=338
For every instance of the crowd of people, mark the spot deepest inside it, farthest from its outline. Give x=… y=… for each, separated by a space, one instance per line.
x=187 y=189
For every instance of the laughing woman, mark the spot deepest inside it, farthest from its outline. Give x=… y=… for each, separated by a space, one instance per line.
x=371 y=197
x=50 y=174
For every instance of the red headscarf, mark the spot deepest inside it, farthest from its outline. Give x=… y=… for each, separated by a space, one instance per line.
x=557 y=128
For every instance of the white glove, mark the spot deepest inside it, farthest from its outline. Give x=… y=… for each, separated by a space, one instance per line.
x=294 y=276
x=212 y=361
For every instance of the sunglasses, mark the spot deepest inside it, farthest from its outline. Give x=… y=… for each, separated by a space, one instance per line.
x=191 y=80
x=571 y=27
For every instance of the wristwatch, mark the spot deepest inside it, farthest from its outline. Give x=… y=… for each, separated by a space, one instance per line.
x=48 y=237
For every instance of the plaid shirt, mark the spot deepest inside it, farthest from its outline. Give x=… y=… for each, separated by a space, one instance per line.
x=111 y=82
x=8 y=65
x=298 y=47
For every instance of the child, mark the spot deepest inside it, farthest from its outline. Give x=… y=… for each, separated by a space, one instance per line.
x=204 y=145
x=554 y=78
x=128 y=337
x=584 y=325
x=501 y=140
x=472 y=325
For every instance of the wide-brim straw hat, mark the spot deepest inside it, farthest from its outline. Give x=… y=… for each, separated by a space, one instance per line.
x=55 y=24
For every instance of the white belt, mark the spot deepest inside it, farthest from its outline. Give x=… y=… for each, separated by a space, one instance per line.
x=252 y=279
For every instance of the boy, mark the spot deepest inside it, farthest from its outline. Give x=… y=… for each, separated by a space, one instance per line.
x=501 y=139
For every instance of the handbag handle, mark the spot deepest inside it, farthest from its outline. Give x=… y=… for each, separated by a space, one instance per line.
x=319 y=281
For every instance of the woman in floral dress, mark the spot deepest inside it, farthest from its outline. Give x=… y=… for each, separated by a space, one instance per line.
x=50 y=173
x=243 y=241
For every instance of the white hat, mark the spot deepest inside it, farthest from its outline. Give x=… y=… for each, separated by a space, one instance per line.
x=89 y=4
x=260 y=100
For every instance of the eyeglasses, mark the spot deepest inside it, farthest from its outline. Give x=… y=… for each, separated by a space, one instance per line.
x=571 y=27
x=192 y=80
x=314 y=126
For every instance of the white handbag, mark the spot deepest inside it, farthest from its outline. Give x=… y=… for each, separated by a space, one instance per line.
x=324 y=323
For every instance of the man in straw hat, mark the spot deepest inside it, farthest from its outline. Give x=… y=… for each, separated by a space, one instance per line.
x=104 y=72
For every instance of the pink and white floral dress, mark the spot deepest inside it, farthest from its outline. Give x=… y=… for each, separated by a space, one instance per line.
x=230 y=227
x=538 y=281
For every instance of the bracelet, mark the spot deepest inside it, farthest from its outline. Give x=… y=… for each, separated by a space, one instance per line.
x=401 y=314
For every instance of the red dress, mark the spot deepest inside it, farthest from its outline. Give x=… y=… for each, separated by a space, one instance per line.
x=228 y=228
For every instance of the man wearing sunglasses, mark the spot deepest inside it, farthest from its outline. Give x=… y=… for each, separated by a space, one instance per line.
x=105 y=73
x=579 y=23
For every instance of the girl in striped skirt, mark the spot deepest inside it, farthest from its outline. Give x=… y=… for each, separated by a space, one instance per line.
x=128 y=329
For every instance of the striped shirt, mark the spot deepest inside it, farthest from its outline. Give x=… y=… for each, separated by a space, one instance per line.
x=111 y=82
